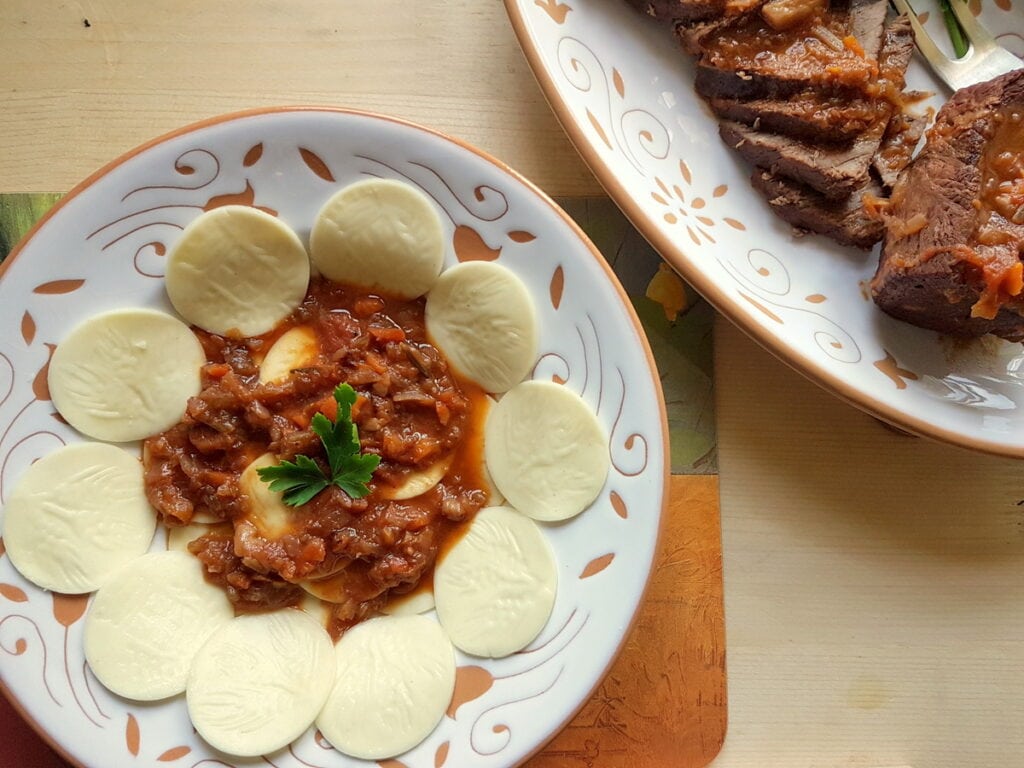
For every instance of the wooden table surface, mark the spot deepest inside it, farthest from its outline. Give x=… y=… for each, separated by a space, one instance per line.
x=874 y=582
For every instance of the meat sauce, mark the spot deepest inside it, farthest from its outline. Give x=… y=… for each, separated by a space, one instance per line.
x=814 y=49
x=411 y=410
x=1000 y=206
x=1002 y=169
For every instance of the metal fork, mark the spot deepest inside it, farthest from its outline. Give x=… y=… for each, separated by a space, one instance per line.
x=985 y=59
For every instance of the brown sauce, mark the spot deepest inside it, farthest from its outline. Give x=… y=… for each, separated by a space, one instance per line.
x=999 y=234
x=814 y=49
x=1002 y=170
x=899 y=143
x=412 y=411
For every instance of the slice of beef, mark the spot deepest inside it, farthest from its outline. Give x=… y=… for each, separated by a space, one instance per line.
x=867 y=26
x=806 y=115
x=747 y=59
x=833 y=171
x=951 y=254
x=691 y=35
x=938 y=294
x=901 y=139
x=830 y=118
x=844 y=221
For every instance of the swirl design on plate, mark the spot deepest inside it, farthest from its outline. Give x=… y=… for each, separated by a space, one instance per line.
x=651 y=134
x=766 y=277
x=158 y=224
x=13 y=642
x=39 y=389
x=629 y=455
x=148 y=259
x=552 y=366
x=199 y=162
x=479 y=736
x=636 y=132
x=485 y=727
x=138 y=228
x=491 y=204
x=6 y=378
x=621 y=450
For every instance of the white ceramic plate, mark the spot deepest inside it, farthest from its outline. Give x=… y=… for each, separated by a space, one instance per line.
x=623 y=90
x=103 y=247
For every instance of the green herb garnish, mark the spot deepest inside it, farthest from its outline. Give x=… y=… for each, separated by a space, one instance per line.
x=302 y=479
x=956 y=34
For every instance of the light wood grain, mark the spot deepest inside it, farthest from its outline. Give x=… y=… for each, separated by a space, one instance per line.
x=874 y=583
x=74 y=97
x=663 y=702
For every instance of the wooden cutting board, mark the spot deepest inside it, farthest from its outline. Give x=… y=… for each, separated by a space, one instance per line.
x=663 y=702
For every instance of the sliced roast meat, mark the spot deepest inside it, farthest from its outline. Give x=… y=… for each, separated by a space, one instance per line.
x=806 y=115
x=902 y=136
x=810 y=93
x=938 y=293
x=844 y=221
x=831 y=118
x=747 y=59
x=691 y=35
x=833 y=171
x=955 y=224
x=867 y=26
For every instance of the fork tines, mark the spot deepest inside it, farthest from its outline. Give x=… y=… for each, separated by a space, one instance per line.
x=985 y=59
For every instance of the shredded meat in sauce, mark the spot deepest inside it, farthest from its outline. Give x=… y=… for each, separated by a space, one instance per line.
x=411 y=411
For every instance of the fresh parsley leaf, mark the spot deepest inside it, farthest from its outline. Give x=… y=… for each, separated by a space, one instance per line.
x=354 y=479
x=299 y=481
x=303 y=479
x=288 y=475
x=325 y=430
x=304 y=494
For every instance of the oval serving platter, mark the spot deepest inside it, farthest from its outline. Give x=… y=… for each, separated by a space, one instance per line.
x=623 y=90
x=103 y=246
